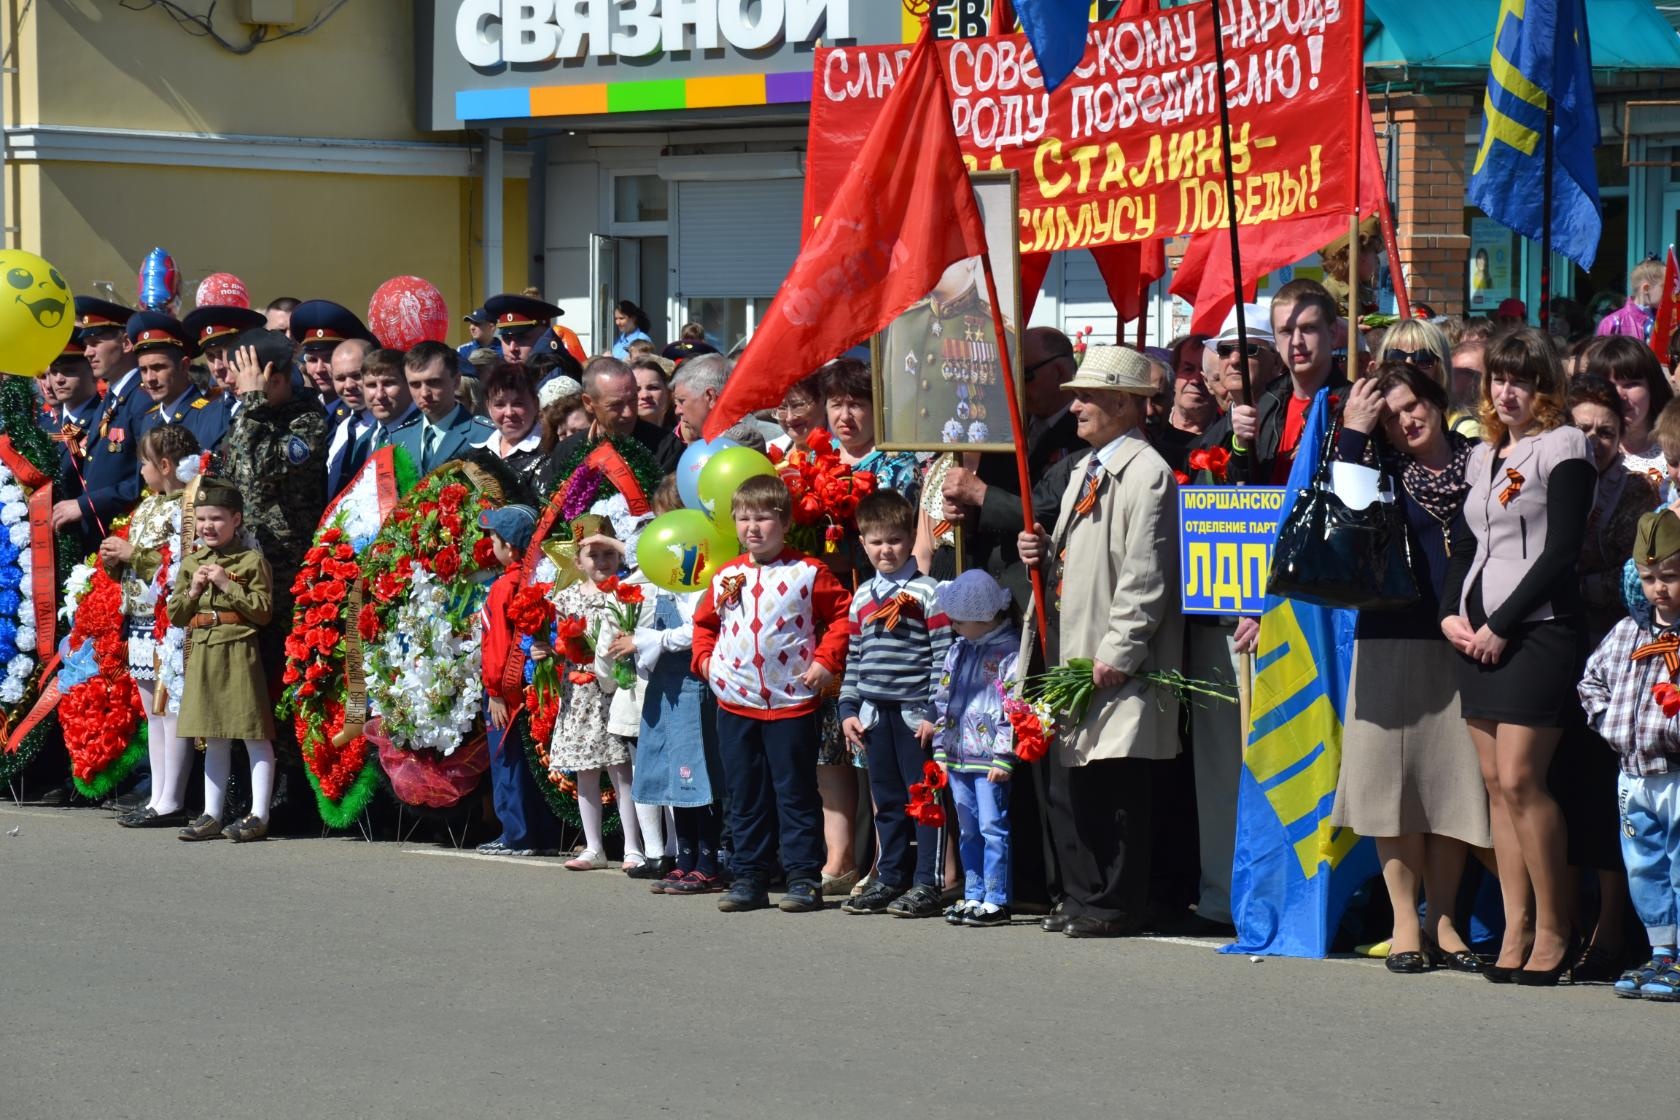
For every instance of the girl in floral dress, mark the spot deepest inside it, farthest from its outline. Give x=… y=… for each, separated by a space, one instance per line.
x=583 y=744
x=146 y=564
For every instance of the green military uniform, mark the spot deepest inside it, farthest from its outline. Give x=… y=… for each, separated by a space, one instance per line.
x=225 y=694
x=941 y=376
x=277 y=456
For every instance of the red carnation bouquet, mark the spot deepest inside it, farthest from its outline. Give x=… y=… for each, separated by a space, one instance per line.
x=103 y=721
x=926 y=807
x=626 y=612
x=532 y=616
x=1214 y=461
x=825 y=492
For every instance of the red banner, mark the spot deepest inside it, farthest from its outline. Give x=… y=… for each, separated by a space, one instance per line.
x=1128 y=148
x=43 y=577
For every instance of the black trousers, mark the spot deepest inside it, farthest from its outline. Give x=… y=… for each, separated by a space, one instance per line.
x=1101 y=828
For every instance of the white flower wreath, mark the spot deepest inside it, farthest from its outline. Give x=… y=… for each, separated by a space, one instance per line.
x=424 y=672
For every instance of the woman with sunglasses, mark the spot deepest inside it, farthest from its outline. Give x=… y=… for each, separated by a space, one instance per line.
x=1421 y=344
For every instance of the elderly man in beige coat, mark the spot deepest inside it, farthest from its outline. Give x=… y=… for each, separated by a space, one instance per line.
x=1112 y=577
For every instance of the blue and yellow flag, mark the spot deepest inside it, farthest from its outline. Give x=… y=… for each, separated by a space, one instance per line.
x=1540 y=49
x=1292 y=873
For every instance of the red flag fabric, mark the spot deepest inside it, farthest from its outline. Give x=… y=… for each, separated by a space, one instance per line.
x=1204 y=276
x=1127 y=269
x=1668 y=309
x=903 y=214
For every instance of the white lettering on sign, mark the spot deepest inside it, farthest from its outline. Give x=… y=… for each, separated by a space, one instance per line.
x=492 y=32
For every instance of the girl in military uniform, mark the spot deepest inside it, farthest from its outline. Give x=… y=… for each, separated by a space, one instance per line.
x=221 y=596
x=142 y=563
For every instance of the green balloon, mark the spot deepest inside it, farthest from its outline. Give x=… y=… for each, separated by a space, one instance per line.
x=681 y=550
x=724 y=473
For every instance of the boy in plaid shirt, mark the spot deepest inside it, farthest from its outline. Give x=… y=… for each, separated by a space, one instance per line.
x=1631 y=697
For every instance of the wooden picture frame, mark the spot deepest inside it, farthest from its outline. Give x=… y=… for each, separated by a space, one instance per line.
x=937 y=375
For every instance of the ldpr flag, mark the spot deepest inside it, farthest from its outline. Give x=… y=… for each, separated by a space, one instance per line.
x=903 y=214
x=1293 y=872
x=1540 y=49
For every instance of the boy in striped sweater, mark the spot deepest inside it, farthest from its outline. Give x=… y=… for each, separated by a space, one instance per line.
x=898 y=638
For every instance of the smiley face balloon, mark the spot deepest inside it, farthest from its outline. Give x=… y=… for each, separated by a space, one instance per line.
x=37 y=313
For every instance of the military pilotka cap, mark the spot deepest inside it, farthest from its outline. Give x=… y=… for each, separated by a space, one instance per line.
x=1657 y=538
x=1116 y=368
x=221 y=493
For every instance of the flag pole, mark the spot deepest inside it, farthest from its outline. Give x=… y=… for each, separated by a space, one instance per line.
x=1546 y=220
x=1231 y=210
x=1018 y=431
x=1360 y=122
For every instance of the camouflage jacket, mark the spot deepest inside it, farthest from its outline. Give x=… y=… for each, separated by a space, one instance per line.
x=277 y=456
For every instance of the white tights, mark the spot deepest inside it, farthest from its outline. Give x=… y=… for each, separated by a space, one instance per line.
x=218 y=764
x=168 y=754
x=589 y=809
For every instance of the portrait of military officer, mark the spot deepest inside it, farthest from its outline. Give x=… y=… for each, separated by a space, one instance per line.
x=939 y=372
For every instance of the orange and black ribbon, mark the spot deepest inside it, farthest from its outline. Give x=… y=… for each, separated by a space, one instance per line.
x=1088 y=497
x=731 y=590
x=1666 y=647
x=889 y=612
x=1513 y=486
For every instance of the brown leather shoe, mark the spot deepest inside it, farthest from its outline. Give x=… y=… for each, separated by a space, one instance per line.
x=205 y=827
x=246 y=829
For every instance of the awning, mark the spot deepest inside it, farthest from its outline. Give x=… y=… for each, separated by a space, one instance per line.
x=1458 y=35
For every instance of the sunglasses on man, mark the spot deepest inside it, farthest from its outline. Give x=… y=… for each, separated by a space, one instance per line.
x=1226 y=349
x=1423 y=359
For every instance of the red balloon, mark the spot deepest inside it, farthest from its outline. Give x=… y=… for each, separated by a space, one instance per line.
x=222 y=289
x=405 y=311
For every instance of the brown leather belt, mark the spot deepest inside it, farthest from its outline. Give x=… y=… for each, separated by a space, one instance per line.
x=206 y=619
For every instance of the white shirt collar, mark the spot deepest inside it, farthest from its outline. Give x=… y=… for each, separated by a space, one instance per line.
x=532 y=441
x=1105 y=454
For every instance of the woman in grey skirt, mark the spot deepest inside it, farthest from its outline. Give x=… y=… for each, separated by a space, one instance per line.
x=1409 y=774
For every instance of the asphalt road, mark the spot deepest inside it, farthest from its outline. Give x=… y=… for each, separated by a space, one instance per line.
x=143 y=977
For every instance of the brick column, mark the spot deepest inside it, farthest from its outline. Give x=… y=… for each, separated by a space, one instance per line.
x=1434 y=249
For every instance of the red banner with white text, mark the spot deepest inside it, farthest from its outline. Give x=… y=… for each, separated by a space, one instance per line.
x=1128 y=148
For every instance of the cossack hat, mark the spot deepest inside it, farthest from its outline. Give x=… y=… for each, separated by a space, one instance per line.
x=212 y=325
x=517 y=313
x=321 y=322
x=514 y=524
x=1114 y=368
x=94 y=313
x=1657 y=537
x=153 y=330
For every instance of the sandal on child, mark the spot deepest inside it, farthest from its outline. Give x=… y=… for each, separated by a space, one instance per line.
x=205 y=827
x=587 y=861
x=246 y=829
x=1664 y=987
x=838 y=886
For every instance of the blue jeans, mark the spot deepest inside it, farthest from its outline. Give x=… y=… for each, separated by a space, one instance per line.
x=526 y=821
x=983 y=843
x=1651 y=849
x=895 y=758
x=770 y=767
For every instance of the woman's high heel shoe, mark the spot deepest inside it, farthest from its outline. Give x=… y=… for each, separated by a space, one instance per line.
x=1548 y=977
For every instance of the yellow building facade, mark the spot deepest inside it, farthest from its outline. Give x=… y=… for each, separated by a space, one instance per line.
x=294 y=164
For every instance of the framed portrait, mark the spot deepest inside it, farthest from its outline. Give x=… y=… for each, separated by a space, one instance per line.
x=939 y=382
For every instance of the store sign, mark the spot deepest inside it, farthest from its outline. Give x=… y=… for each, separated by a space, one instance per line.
x=493 y=32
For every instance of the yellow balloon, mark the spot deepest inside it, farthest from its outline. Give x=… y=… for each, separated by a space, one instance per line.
x=724 y=473
x=37 y=313
x=682 y=550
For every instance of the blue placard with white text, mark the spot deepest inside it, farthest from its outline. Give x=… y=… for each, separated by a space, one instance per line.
x=1225 y=537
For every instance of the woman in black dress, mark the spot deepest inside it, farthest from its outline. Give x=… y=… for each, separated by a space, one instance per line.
x=1512 y=608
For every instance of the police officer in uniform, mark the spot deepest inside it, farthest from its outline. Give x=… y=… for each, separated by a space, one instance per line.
x=212 y=328
x=73 y=404
x=525 y=326
x=318 y=326
x=108 y=482
x=161 y=348
x=941 y=370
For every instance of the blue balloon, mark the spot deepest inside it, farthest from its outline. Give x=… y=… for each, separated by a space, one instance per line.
x=693 y=461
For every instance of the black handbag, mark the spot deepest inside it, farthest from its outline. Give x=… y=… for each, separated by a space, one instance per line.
x=1333 y=556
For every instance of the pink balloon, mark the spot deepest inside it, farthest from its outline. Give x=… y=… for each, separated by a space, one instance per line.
x=405 y=311
x=222 y=289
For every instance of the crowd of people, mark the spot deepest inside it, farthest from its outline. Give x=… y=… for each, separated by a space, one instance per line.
x=1537 y=476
